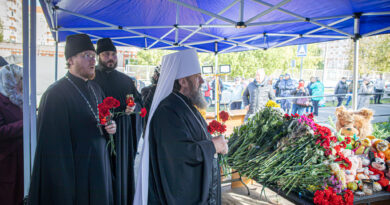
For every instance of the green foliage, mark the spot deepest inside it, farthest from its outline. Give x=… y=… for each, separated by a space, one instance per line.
x=382 y=130
x=1 y=32
x=150 y=57
x=374 y=54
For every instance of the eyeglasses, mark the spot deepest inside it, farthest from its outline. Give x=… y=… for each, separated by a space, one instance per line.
x=88 y=56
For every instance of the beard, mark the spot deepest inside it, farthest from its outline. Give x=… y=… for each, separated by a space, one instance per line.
x=196 y=96
x=109 y=65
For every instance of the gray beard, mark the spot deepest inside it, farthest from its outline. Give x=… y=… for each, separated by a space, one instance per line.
x=197 y=98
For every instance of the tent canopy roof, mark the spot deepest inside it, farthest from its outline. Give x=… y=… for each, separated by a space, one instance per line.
x=236 y=25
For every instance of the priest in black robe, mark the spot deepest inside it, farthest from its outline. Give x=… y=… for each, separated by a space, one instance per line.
x=183 y=155
x=72 y=164
x=119 y=85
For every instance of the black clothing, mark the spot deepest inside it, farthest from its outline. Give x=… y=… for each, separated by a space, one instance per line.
x=104 y=44
x=129 y=129
x=72 y=164
x=147 y=97
x=77 y=43
x=183 y=169
x=377 y=97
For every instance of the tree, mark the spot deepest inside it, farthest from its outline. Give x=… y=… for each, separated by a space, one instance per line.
x=1 y=32
x=374 y=52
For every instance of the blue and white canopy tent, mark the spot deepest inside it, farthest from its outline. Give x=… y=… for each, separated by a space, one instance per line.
x=217 y=26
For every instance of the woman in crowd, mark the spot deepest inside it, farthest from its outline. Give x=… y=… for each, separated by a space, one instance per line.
x=300 y=104
x=11 y=135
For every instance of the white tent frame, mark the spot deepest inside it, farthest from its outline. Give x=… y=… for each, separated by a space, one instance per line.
x=29 y=47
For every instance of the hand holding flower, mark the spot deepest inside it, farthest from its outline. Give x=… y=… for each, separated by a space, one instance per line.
x=111 y=128
x=129 y=109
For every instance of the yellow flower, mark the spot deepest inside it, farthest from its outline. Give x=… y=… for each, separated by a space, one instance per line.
x=202 y=112
x=272 y=103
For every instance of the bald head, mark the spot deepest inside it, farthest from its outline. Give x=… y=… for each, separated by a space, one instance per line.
x=260 y=75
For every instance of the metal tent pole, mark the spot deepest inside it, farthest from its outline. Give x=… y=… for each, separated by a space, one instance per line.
x=56 y=46
x=300 y=71
x=216 y=83
x=26 y=100
x=56 y=61
x=356 y=62
x=33 y=80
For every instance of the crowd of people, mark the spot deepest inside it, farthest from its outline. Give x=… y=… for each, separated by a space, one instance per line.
x=252 y=94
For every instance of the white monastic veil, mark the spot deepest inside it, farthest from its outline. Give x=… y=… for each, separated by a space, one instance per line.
x=174 y=66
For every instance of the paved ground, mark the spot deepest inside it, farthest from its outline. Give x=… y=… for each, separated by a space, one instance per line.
x=239 y=196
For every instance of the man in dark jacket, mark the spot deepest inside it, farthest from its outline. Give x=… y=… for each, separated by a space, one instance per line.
x=341 y=88
x=257 y=94
x=286 y=87
x=276 y=86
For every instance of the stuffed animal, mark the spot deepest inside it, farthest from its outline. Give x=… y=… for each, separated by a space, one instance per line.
x=380 y=145
x=362 y=122
x=353 y=121
x=348 y=131
x=387 y=158
x=378 y=167
x=350 y=175
x=362 y=146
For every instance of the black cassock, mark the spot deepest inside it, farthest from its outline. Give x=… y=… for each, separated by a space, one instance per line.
x=183 y=169
x=129 y=130
x=72 y=164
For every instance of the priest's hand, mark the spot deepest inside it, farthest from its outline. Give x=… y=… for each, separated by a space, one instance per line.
x=111 y=128
x=129 y=110
x=220 y=144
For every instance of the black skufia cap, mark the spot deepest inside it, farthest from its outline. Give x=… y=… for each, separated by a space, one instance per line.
x=105 y=44
x=77 y=43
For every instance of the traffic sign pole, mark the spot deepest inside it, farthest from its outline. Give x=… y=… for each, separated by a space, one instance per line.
x=300 y=72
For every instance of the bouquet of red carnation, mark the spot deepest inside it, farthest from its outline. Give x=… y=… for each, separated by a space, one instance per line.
x=216 y=128
x=106 y=114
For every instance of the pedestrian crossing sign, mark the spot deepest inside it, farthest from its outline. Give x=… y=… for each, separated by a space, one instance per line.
x=302 y=50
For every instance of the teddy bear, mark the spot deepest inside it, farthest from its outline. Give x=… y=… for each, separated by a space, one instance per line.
x=359 y=121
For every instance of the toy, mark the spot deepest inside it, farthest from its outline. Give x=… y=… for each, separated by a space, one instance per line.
x=380 y=145
x=362 y=146
x=387 y=158
x=362 y=122
x=378 y=167
x=354 y=122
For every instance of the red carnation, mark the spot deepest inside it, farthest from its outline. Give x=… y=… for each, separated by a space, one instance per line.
x=222 y=129
x=343 y=145
x=224 y=116
x=111 y=102
x=214 y=126
x=348 y=140
x=143 y=112
x=103 y=121
x=310 y=116
x=104 y=110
